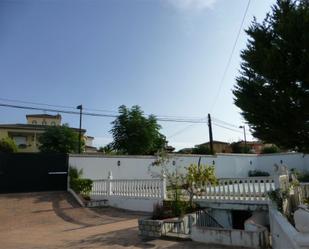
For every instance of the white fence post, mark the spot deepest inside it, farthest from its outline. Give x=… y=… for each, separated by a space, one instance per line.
x=163 y=187
x=109 y=183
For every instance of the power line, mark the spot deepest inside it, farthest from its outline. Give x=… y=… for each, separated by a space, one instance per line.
x=231 y=55
x=224 y=127
x=181 y=131
x=176 y=119
x=52 y=105
x=35 y=103
x=95 y=110
x=195 y=121
x=225 y=123
x=56 y=110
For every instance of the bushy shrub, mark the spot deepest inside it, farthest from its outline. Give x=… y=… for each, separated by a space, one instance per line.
x=253 y=173
x=78 y=184
x=178 y=207
x=7 y=145
x=82 y=186
x=302 y=176
x=271 y=149
x=278 y=196
x=75 y=173
x=158 y=212
x=173 y=208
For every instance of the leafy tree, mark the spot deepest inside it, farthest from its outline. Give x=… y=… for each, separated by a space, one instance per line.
x=273 y=87
x=270 y=149
x=237 y=147
x=185 y=151
x=107 y=149
x=201 y=149
x=7 y=145
x=135 y=134
x=60 y=139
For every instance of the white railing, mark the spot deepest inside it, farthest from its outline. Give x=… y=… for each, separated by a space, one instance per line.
x=152 y=188
x=137 y=188
x=99 y=187
x=251 y=189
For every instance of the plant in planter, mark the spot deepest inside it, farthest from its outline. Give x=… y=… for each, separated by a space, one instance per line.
x=195 y=178
x=191 y=182
x=80 y=185
x=284 y=198
x=253 y=173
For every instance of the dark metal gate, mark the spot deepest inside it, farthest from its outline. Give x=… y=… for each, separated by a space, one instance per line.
x=30 y=172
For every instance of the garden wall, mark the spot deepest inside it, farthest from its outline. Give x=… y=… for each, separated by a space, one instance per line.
x=230 y=237
x=226 y=165
x=284 y=235
x=141 y=204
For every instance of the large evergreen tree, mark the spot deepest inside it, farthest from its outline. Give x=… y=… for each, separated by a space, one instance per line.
x=273 y=87
x=135 y=134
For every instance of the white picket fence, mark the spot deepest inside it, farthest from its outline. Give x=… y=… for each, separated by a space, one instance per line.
x=152 y=188
x=238 y=190
x=250 y=189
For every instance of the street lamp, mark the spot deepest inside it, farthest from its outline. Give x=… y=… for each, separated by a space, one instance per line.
x=243 y=127
x=80 y=107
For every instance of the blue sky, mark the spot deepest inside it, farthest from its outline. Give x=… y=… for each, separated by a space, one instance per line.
x=168 y=56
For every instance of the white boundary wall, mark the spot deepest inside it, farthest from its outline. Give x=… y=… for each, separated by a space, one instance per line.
x=226 y=165
x=130 y=203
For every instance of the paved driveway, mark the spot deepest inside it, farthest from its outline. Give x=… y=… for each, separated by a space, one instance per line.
x=53 y=220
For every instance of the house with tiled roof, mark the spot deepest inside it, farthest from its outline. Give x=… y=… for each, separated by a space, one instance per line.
x=26 y=136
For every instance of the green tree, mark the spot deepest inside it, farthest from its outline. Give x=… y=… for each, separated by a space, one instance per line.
x=108 y=150
x=201 y=149
x=60 y=139
x=270 y=149
x=135 y=134
x=7 y=145
x=273 y=87
x=238 y=147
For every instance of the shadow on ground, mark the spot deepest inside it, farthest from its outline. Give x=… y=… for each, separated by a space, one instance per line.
x=125 y=238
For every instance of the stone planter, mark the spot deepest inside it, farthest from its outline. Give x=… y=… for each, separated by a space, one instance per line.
x=158 y=228
x=96 y=203
x=150 y=228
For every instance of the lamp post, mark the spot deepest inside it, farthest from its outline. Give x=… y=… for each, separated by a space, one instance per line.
x=80 y=107
x=243 y=127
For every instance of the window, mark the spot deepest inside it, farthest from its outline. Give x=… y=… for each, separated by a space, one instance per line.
x=44 y=122
x=53 y=123
x=34 y=122
x=20 y=141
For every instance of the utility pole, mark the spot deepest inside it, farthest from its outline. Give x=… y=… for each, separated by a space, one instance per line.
x=211 y=146
x=80 y=107
x=243 y=127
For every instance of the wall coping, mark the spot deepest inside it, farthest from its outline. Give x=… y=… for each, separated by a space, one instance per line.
x=92 y=155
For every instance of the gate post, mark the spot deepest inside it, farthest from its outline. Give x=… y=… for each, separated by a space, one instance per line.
x=109 y=183
x=281 y=177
